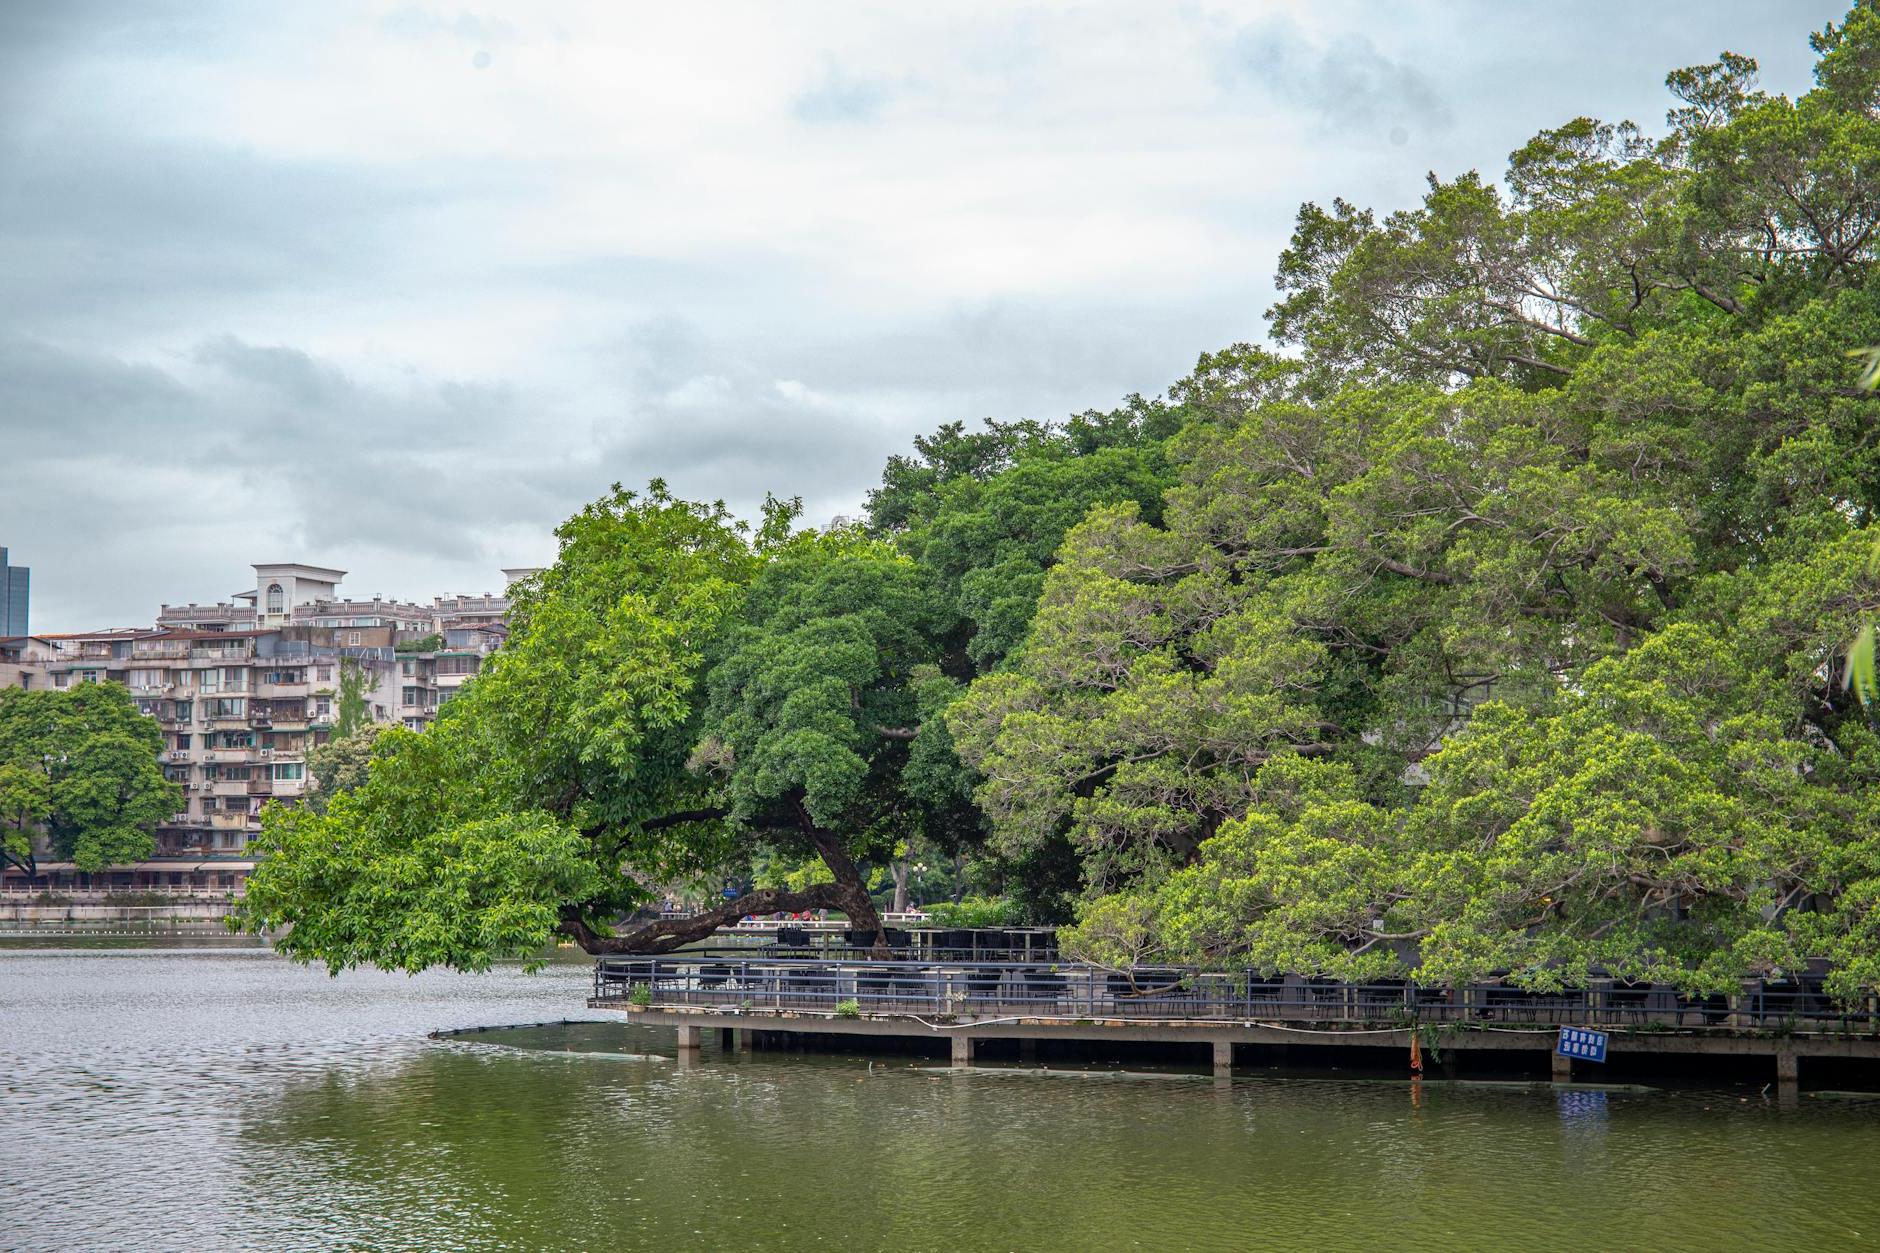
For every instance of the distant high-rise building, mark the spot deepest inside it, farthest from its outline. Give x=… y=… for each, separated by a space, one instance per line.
x=14 y=586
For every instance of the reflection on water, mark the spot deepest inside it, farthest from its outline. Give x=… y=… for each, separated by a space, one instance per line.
x=226 y=1099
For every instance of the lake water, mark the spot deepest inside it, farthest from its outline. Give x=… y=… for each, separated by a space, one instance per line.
x=221 y=1098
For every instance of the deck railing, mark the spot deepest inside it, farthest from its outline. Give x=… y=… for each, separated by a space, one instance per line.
x=982 y=990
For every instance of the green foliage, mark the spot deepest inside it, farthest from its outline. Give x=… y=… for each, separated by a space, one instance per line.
x=526 y=807
x=419 y=867
x=80 y=765
x=974 y=911
x=640 y=995
x=1505 y=628
x=814 y=688
x=850 y=1008
x=423 y=644
x=351 y=711
x=340 y=765
x=982 y=515
x=771 y=870
x=1860 y=675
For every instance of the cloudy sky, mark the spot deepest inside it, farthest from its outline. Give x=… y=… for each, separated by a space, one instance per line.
x=395 y=287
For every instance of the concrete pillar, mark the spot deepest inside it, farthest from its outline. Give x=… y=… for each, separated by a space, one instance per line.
x=744 y=1039
x=1223 y=1058
x=1563 y=1068
x=962 y=1050
x=1788 y=1067
x=688 y=1040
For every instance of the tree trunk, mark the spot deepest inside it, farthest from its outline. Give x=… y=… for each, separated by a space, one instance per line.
x=855 y=901
x=666 y=934
x=848 y=894
x=899 y=868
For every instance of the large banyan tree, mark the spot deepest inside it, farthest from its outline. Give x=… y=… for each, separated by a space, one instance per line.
x=1503 y=627
x=674 y=691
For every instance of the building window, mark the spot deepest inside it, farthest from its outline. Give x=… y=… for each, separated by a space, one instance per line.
x=288 y=770
x=277 y=599
x=61 y=679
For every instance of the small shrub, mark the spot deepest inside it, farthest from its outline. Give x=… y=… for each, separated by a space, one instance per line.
x=850 y=1008
x=974 y=911
x=640 y=995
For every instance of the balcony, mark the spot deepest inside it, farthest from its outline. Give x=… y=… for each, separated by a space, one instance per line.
x=260 y=787
x=237 y=821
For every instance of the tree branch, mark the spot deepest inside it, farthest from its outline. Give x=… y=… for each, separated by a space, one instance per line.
x=666 y=934
x=683 y=816
x=1412 y=572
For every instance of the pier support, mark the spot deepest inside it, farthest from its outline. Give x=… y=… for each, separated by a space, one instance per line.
x=1223 y=1058
x=962 y=1050
x=1563 y=1068
x=1788 y=1068
x=688 y=1041
x=744 y=1039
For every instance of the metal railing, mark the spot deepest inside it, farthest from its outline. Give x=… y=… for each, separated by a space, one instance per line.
x=100 y=897
x=723 y=981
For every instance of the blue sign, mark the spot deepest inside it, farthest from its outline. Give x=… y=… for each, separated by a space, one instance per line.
x=732 y=894
x=1579 y=1043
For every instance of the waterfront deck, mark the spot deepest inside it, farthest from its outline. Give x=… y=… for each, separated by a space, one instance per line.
x=968 y=1002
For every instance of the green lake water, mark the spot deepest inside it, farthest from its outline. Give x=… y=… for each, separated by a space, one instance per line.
x=220 y=1098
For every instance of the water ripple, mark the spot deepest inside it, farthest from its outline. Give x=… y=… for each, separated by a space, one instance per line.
x=164 y=1099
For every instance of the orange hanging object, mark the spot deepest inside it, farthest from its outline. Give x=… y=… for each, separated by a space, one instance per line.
x=1416 y=1054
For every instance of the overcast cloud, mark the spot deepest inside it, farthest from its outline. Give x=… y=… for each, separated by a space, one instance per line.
x=396 y=287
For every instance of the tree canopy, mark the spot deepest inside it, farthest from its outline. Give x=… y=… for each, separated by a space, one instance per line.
x=1497 y=631
x=1495 y=619
x=79 y=766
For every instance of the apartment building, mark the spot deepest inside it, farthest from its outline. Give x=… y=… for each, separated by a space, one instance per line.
x=242 y=691
x=23 y=660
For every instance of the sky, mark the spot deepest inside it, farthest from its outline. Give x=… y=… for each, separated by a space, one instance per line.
x=395 y=288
